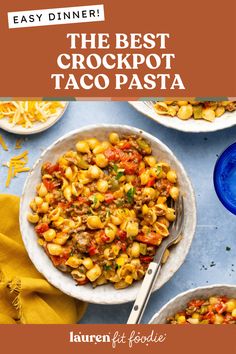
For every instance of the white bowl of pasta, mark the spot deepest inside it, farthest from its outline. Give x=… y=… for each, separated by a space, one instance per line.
x=186 y=123
x=212 y=304
x=100 y=239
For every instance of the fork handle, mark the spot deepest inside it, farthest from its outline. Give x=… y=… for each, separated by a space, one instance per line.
x=144 y=293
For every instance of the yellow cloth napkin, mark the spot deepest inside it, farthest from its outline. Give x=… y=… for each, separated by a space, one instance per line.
x=25 y=295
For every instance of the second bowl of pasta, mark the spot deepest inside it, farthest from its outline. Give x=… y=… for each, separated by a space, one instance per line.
x=95 y=208
x=212 y=304
x=190 y=116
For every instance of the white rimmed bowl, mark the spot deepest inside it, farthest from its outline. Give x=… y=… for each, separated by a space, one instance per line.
x=37 y=127
x=227 y=120
x=179 y=302
x=104 y=294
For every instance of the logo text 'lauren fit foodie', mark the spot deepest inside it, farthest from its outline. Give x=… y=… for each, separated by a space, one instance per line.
x=117 y=338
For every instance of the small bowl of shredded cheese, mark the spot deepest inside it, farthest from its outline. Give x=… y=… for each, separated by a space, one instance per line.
x=30 y=117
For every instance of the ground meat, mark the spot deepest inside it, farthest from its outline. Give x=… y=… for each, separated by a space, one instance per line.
x=78 y=229
x=138 y=205
x=83 y=240
x=88 y=157
x=64 y=268
x=82 y=211
x=84 y=218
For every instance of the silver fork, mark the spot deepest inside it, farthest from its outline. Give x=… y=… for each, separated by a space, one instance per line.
x=149 y=104
x=155 y=266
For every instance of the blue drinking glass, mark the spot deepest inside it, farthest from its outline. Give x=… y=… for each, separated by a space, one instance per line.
x=225 y=178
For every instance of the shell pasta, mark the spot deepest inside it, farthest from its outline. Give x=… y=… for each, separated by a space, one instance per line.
x=102 y=209
x=208 y=110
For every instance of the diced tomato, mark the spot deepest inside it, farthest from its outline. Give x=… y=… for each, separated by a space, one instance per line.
x=50 y=168
x=123 y=247
x=55 y=168
x=151 y=182
x=152 y=238
x=209 y=316
x=82 y=282
x=223 y=298
x=104 y=238
x=110 y=154
x=220 y=307
x=122 y=234
x=126 y=146
x=109 y=198
x=50 y=185
x=136 y=156
x=130 y=167
x=131 y=162
x=128 y=160
x=92 y=250
x=114 y=154
x=46 y=167
x=206 y=104
x=146 y=259
x=41 y=228
x=56 y=260
x=196 y=303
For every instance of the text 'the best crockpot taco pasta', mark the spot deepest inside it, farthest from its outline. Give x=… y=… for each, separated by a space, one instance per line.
x=103 y=209
x=208 y=110
x=215 y=310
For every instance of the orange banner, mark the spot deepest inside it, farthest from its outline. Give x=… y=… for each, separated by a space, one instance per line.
x=96 y=339
x=133 y=49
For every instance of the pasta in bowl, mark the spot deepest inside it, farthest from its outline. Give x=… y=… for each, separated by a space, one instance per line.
x=190 y=116
x=214 y=304
x=103 y=209
x=103 y=205
x=208 y=110
x=214 y=310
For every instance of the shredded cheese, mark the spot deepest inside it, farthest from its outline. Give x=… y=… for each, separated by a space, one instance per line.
x=17 y=164
x=3 y=144
x=26 y=113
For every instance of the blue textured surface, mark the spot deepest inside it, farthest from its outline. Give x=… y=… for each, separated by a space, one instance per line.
x=212 y=258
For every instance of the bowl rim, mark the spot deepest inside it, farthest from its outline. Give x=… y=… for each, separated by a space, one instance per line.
x=209 y=127
x=216 y=177
x=187 y=292
x=151 y=138
x=39 y=127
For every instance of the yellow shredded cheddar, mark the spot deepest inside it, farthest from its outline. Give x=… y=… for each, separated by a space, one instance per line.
x=9 y=176
x=20 y=169
x=26 y=113
x=21 y=156
x=17 y=164
x=3 y=144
